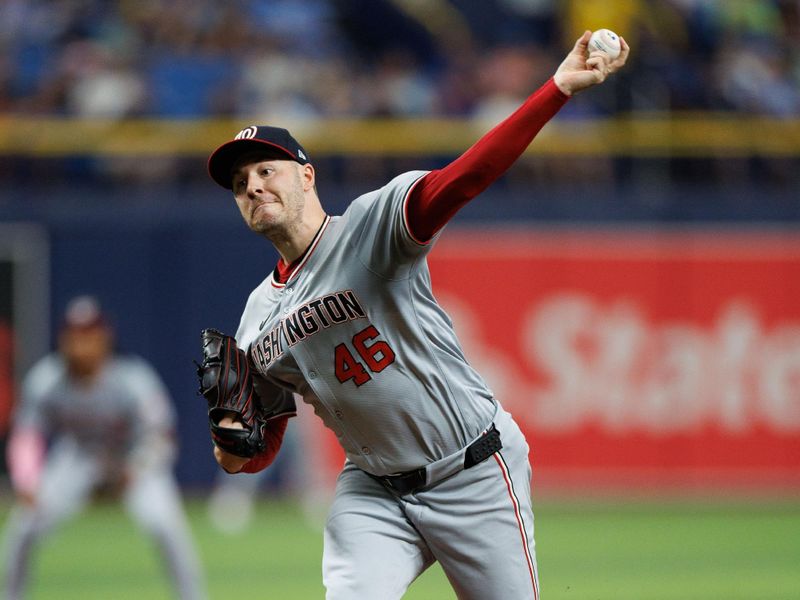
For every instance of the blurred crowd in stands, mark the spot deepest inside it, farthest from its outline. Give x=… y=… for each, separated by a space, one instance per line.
x=269 y=60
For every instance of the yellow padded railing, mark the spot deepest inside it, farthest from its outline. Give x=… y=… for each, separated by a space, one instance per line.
x=656 y=135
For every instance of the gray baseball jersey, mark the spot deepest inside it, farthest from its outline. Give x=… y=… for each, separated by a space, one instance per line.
x=115 y=417
x=357 y=333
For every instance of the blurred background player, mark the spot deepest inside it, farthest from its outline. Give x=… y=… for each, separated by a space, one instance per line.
x=89 y=421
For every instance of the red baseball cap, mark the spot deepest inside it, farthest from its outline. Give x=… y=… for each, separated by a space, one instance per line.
x=256 y=137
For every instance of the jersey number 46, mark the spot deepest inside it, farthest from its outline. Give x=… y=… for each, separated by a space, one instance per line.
x=375 y=356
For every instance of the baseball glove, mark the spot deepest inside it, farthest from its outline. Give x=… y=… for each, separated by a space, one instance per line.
x=226 y=382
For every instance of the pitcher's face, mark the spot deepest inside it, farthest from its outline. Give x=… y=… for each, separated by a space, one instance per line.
x=269 y=193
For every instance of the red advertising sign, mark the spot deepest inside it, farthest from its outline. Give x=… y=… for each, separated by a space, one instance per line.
x=636 y=357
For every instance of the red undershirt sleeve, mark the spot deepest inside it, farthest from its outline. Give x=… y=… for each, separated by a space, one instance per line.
x=439 y=195
x=273 y=438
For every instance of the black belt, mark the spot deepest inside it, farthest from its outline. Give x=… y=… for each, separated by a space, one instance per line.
x=412 y=481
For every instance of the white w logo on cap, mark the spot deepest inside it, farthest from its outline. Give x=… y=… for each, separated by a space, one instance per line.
x=248 y=133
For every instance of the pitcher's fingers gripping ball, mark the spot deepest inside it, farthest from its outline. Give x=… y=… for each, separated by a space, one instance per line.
x=226 y=382
x=606 y=41
x=608 y=52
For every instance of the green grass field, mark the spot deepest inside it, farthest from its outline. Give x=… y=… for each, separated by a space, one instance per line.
x=592 y=551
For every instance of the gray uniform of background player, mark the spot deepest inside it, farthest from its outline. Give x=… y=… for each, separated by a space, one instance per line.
x=115 y=431
x=398 y=396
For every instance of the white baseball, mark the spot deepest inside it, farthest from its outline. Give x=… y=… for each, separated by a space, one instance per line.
x=605 y=40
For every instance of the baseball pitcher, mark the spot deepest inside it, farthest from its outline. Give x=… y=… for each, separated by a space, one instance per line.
x=436 y=469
